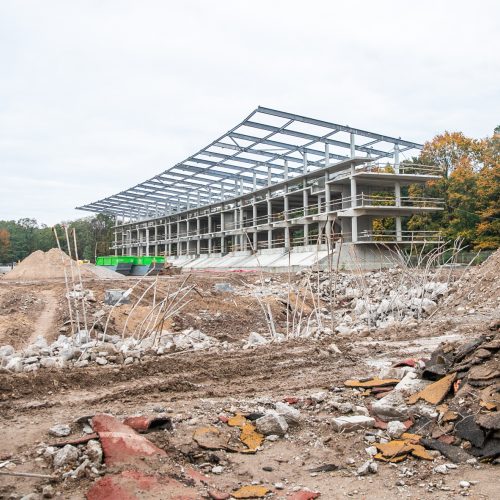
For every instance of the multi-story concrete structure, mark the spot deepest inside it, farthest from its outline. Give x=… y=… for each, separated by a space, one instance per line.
x=277 y=185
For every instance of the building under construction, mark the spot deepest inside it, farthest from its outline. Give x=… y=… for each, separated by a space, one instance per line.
x=278 y=189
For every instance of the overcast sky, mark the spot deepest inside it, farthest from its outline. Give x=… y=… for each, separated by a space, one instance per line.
x=96 y=96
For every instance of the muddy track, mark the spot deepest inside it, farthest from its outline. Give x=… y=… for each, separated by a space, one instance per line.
x=296 y=366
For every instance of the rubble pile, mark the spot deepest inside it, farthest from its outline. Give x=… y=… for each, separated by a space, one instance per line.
x=379 y=299
x=79 y=350
x=449 y=403
x=478 y=289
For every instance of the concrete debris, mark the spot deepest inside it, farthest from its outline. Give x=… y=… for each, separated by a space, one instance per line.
x=60 y=430
x=94 y=451
x=79 y=351
x=272 y=424
x=352 y=423
x=289 y=413
x=369 y=467
x=395 y=428
x=114 y=297
x=67 y=455
x=255 y=339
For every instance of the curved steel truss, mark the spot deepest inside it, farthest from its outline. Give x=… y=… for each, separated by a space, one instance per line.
x=266 y=147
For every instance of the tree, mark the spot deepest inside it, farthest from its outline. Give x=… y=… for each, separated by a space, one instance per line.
x=4 y=246
x=469 y=187
x=488 y=195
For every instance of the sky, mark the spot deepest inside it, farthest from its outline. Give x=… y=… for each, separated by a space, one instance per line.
x=96 y=96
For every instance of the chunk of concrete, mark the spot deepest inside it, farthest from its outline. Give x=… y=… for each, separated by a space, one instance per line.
x=395 y=428
x=352 y=423
x=255 y=339
x=112 y=297
x=15 y=364
x=60 y=430
x=68 y=455
x=394 y=406
x=94 y=451
x=272 y=423
x=289 y=413
x=6 y=351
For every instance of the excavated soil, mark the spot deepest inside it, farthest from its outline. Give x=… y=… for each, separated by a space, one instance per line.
x=195 y=387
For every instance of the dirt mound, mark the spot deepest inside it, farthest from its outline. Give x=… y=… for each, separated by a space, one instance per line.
x=479 y=288
x=51 y=265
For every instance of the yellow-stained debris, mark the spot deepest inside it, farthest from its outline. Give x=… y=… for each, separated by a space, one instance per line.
x=211 y=438
x=434 y=393
x=398 y=449
x=394 y=448
x=487 y=405
x=393 y=460
x=420 y=452
x=374 y=382
x=248 y=436
x=251 y=491
x=412 y=438
x=449 y=416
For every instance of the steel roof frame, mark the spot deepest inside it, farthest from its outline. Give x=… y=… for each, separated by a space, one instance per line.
x=210 y=175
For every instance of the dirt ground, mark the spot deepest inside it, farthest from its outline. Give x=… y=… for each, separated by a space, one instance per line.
x=194 y=388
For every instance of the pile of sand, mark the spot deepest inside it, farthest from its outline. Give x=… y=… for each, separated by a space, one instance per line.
x=51 y=265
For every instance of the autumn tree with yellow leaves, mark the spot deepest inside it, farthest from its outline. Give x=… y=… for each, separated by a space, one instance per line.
x=470 y=187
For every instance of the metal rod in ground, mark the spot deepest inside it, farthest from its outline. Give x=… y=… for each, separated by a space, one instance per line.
x=26 y=474
x=84 y=309
x=65 y=281
x=72 y=277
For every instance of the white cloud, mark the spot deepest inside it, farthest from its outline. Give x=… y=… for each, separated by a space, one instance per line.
x=97 y=96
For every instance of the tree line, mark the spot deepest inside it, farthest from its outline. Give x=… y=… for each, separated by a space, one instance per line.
x=470 y=187
x=18 y=239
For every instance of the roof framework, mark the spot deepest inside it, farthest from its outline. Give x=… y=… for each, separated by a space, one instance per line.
x=263 y=149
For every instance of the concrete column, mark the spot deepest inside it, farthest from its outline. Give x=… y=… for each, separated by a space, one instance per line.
x=116 y=235
x=188 y=242
x=243 y=239
x=305 y=203
x=285 y=173
x=254 y=223
x=222 y=228
x=198 y=241
x=285 y=209
x=269 y=219
x=156 y=239
x=254 y=181
x=269 y=208
x=269 y=176
x=178 y=241
x=170 y=241
x=354 y=219
x=397 y=194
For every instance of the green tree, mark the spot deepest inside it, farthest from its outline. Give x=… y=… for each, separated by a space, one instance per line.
x=4 y=246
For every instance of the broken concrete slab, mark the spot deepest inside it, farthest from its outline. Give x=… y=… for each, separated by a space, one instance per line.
x=352 y=423
x=211 y=438
x=272 y=423
x=289 y=413
x=67 y=455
